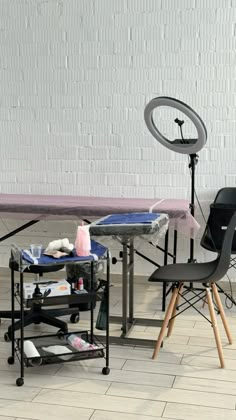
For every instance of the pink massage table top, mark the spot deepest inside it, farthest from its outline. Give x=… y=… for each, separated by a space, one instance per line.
x=53 y=207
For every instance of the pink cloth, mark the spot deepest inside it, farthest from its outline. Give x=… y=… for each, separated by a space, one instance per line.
x=56 y=207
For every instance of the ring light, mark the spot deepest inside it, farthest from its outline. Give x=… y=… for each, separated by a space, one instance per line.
x=186 y=146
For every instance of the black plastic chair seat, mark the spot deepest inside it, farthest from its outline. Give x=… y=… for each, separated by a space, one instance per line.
x=40 y=269
x=192 y=272
x=36 y=269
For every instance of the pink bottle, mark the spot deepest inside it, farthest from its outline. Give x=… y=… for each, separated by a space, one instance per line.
x=82 y=241
x=81 y=283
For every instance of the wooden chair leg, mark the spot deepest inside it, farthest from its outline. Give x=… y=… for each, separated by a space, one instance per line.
x=215 y=327
x=204 y=301
x=172 y=318
x=222 y=312
x=165 y=322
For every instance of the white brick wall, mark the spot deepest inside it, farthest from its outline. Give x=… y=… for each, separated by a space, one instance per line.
x=75 y=76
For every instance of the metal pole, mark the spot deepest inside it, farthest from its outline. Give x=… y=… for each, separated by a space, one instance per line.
x=21 y=326
x=131 y=282
x=124 y=288
x=107 y=291
x=192 y=165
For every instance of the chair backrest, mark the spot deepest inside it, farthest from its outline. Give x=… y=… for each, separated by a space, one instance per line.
x=223 y=261
x=226 y=196
x=221 y=212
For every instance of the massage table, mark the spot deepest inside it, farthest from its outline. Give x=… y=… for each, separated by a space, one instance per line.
x=34 y=208
x=47 y=207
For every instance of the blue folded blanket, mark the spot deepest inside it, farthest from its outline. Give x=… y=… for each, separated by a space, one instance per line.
x=97 y=251
x=129 y=218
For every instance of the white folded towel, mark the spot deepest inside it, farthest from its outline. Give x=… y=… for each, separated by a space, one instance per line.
x=58 y=350
x=58 y=244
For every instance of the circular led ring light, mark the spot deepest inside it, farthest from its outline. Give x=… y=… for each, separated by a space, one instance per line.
x=189 y=147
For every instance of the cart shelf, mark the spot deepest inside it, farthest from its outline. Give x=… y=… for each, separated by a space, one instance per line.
x=74 y=298
x=41 y=344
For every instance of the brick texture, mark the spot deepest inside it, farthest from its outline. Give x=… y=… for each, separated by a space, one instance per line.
x=75 y=76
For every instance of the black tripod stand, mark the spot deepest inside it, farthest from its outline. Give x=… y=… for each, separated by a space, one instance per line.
x=192 y=166
x=181 y=145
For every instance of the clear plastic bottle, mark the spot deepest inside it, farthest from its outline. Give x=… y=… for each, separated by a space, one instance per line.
x=79 y=344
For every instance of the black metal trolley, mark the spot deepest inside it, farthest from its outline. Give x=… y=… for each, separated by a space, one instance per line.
x=95 y=349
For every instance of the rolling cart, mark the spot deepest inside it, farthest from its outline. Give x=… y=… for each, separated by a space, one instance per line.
x=63 y=346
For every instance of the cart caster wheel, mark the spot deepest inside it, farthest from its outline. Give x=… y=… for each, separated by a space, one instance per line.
x=74 y=318
x=61 y=333
x=106 y=371
x=11 y=360
x=20 y=381
x=6 y=337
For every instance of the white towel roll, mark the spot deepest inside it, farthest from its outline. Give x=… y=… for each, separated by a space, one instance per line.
x=32 y=353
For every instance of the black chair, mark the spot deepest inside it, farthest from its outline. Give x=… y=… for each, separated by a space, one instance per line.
x=221 y=211
x=36 y=314
x=207 y=274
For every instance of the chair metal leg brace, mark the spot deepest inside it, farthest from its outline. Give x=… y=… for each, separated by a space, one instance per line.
x=198 y=297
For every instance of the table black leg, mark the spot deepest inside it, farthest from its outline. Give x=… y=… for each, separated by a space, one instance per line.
x=131 y=282
x=108 y=309
x=21 y=328
x=91 y=289
x=12 y=316
x=124 y=288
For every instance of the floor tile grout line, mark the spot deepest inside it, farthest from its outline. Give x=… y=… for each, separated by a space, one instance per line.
x=202 y=406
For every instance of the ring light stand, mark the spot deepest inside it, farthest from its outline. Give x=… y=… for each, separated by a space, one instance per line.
x=184 y=146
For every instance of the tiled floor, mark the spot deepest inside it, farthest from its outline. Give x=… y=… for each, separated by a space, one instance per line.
x=185 y=382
